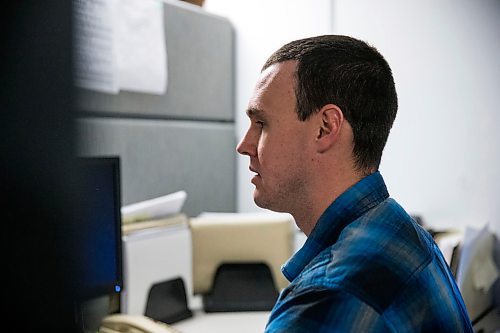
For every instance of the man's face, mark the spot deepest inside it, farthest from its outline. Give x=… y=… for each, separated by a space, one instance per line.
x=278 y=143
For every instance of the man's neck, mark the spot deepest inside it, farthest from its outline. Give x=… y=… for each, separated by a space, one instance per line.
x=307 y=215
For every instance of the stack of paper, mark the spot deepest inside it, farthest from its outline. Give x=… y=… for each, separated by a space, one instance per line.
x=151 y=225
x=154 y=209
x=477 y=271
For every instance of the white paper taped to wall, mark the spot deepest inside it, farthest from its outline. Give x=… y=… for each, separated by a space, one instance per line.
x=140 y=42
x=95 y=54
x=120 y=45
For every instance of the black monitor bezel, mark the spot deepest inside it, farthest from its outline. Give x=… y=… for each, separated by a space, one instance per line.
x=102 y=290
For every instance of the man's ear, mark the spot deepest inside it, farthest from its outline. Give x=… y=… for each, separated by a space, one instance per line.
x=330 y=120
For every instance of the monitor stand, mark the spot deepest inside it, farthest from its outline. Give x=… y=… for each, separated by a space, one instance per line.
x=91 y=312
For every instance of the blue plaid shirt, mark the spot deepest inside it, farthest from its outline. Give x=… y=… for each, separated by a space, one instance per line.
x=368 y=267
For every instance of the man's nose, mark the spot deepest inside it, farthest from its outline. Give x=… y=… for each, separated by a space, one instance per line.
x=247 y=146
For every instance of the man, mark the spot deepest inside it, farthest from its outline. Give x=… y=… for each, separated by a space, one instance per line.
x=320 y=116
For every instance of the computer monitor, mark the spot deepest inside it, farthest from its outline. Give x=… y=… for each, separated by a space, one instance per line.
x=100 y=241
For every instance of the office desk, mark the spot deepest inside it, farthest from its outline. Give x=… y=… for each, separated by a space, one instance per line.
x=490 y=323
x=224 y=322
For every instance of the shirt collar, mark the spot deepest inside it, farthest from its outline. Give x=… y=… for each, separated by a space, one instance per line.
x=362 y=196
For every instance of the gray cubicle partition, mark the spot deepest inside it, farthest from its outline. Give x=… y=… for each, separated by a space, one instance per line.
x=184 y=139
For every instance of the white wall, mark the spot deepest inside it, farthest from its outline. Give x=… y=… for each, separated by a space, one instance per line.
x=443 y=152
x=261 y=27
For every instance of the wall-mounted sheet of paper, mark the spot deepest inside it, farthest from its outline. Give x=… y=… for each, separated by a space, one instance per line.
x=95 y=58
x=140 y=44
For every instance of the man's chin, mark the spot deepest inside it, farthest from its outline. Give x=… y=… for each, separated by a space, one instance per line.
x=264 y=203
x=260 y=200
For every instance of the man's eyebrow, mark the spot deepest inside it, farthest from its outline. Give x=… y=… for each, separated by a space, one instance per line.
x=254 y=112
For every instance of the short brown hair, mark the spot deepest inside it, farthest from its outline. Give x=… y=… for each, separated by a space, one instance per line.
x=351 y=74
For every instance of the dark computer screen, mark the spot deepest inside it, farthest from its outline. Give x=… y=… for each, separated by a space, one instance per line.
x=100 y=250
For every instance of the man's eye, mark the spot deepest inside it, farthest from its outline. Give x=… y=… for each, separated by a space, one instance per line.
x=260 y=123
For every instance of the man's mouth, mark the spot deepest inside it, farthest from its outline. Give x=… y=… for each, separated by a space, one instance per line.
x=256 y=177
x=254 y=171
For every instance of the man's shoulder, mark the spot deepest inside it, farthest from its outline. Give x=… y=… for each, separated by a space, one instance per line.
x=374 y=256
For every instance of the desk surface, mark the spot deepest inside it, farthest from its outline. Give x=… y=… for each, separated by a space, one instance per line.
x=254 y=322
x=224 y=322
x=490 y=323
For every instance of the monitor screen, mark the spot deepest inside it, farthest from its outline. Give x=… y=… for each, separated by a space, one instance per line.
x=100 y=243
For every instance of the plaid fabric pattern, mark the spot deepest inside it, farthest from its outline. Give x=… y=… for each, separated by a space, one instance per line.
x=368 y=267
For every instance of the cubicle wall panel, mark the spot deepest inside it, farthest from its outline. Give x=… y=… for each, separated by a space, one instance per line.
x=159 y=157
x=200 y=72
